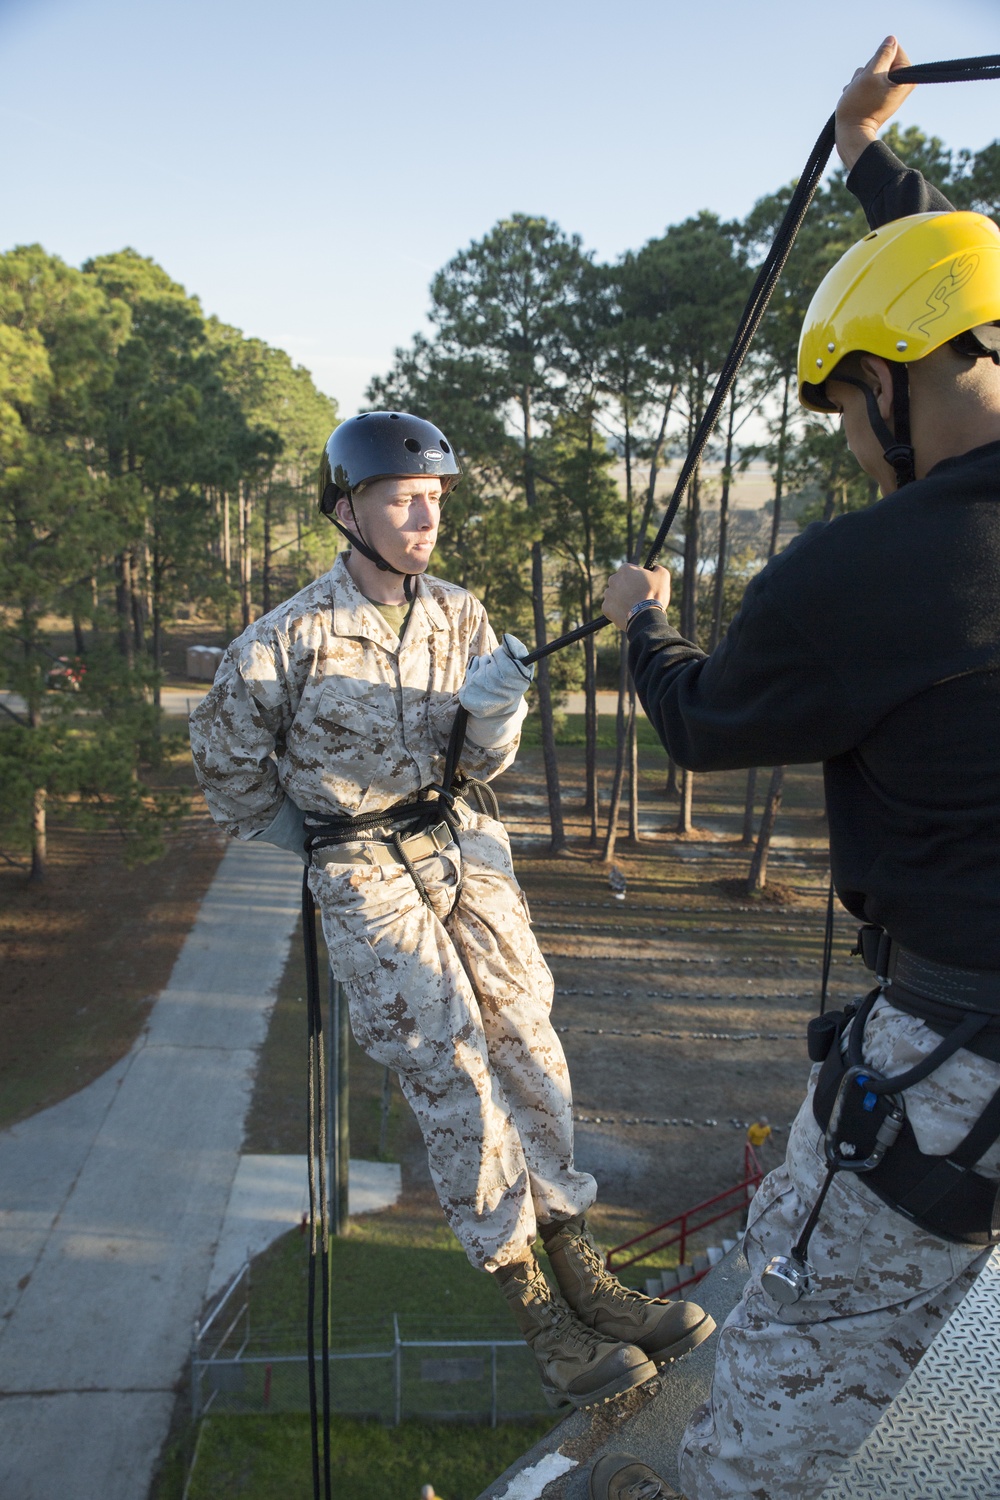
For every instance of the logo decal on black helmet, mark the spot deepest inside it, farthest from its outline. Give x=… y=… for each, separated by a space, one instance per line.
x=434 y=454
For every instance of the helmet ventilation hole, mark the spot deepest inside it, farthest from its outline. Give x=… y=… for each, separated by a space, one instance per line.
x=412 y=444
x=444 y=445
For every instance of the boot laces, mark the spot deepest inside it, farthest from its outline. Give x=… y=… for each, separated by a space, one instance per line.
x=605 y=1282
x=563 y=1321
x=646 y=1489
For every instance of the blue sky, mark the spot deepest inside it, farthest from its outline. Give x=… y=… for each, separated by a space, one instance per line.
x=305 y=167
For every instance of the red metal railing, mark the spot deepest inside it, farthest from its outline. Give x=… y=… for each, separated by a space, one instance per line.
x=692 y=1221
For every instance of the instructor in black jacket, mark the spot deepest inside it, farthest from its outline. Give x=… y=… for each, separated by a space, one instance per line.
x=873 y=645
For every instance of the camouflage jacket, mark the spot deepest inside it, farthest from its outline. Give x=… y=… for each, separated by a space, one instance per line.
x=320 y=700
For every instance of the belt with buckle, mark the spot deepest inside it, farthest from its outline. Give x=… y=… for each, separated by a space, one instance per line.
x=380 y=852
x=894 y=966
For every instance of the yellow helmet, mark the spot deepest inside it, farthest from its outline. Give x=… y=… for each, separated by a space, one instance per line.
x=901 y=292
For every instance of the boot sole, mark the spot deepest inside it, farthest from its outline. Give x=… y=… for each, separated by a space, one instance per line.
x=697 y=1335
x=610 y=1392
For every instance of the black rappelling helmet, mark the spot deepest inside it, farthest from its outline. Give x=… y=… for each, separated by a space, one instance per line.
x=381 y=445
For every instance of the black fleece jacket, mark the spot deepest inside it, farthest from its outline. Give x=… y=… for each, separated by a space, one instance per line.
x=873 y=645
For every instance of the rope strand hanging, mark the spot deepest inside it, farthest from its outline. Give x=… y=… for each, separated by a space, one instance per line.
x=960 y=70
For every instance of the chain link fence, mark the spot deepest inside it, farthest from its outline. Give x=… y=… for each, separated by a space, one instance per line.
x=393 y=1370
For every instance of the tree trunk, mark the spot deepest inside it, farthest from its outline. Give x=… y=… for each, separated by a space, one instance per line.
x=621 y=725
x=758 y=864
x=748 y=807
x=757 y=879
x=156 y=574
x=549 y=758
x=654 y=464
x=39 y=841
x=123 y=607
x=633 y=770
x=590 y=723
x=265 y=566
x=79 y=641
x=718 y=593
x=138 y=605
x=684 y=823
x=830 y=501
x=245 y=563
x=227 y=554
x=689 y=602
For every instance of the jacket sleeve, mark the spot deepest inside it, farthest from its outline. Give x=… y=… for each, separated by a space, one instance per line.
x=764 y=697
x=235 y=731
x=888 y=190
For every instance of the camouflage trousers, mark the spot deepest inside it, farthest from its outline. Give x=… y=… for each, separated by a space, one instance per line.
x=797 y=1389
x=456 y=1001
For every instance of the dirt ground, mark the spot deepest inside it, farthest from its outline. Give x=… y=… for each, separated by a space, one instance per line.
x=682 y=1008
x=84 y=953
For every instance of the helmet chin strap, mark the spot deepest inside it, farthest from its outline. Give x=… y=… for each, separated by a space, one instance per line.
x=367 y=550
x=897 y=447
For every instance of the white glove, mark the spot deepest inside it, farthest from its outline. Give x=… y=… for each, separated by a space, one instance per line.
x=287 y=829
x=493 y=693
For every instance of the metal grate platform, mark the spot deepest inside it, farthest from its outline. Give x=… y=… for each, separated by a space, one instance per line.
x=939 y=1436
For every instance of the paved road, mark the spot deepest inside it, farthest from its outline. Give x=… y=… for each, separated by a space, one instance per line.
x=176 y=703
x=113 y=1201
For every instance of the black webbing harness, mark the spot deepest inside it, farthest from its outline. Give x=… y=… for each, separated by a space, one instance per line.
x=943 y=1194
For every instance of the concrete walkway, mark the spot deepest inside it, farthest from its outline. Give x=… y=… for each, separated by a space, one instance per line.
x=111 y=1206
x=270 y=1196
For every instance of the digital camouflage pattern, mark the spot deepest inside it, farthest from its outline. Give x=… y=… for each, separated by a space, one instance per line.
x=456 y=1001
x=320 y=699
x=797 y=1389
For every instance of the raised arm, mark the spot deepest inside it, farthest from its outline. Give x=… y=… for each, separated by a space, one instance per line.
x=885 y=188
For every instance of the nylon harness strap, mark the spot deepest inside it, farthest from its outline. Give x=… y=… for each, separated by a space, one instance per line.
x=942 y=1194
x=897 y=449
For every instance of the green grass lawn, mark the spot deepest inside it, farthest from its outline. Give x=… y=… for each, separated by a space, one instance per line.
x=263 y=1458
x=426 y=1280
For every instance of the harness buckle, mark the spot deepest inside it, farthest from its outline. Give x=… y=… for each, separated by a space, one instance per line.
x=876 y=950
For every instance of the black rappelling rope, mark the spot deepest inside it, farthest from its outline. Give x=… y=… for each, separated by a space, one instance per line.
x=319 y=1217
x=960 y=70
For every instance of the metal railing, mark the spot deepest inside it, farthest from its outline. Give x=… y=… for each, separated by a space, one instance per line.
x=391 y=1378
x=682 y=1227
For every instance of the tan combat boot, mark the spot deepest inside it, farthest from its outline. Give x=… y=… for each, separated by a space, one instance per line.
x=575 y=1363
x=662 y=1329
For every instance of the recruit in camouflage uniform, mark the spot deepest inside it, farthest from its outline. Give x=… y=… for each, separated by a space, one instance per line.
x=320 y=699
x=881 y=1291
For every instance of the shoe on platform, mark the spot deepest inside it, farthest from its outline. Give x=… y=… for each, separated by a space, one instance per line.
x=576 y=1364
x=618 y=1476
x=662 y=1329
